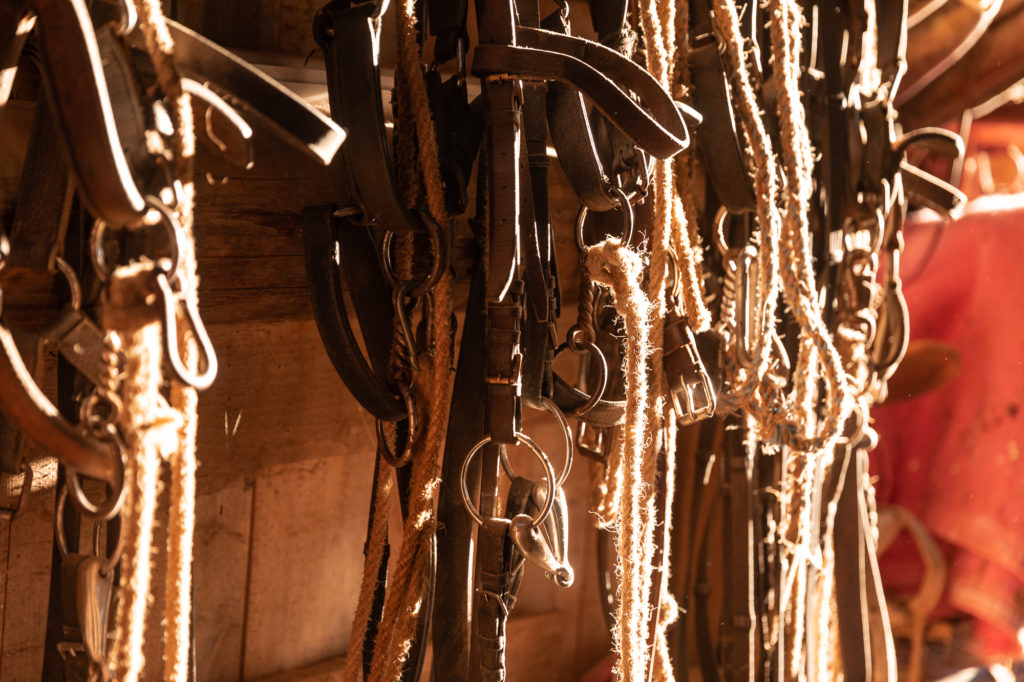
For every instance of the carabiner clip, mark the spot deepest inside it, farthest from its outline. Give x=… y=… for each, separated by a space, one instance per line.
x=198 y=380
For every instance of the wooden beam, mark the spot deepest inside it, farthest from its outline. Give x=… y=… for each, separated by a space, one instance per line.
x=995 y=63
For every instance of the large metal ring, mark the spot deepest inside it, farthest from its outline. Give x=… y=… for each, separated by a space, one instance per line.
x=74 y=286
x=426 y=284
x=167 y=221
x=589 y=347
x=111 y=504
x=398 y=461
x=62 y=541
x=563 y=474
x=549 y=499
x=627 y=219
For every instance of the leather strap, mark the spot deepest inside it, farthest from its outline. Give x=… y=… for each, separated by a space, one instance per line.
x=851 y=597
x=721 y=142
x=369 y=291
x=738 y=611
x=348 y=38
x=603 y=75
x=454 y=585
x=287 y=114
x=500 y=573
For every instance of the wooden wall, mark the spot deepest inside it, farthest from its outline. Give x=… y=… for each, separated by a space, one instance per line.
x=286 y=454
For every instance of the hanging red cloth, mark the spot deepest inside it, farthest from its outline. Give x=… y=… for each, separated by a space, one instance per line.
x=952 y=456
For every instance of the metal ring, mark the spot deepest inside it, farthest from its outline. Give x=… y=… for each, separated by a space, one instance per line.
x=167 y=220
x=563 y=474
x=72 y=279
x=62 y=541
x=545 y=462
x=595 y=353
x=399 y=461
x=111 y=505
x=627 y=219
x=426 y=284
x=95 y=422
x=718 y=233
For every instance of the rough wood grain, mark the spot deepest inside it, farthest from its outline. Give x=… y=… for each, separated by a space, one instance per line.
x=276 y=400
x=223 y=522
x=308 y=527
x=26 y=552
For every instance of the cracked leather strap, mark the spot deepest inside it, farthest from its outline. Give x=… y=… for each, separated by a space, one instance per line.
x=605 y=76
x=535 y=247
x=504 y=137
x=573 y=139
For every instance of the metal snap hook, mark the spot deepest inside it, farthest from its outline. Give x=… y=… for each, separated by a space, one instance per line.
x=420 y=287
x=198 y=380
x=538 y=453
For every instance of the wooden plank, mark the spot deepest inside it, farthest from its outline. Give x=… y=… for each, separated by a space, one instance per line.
x=276 y=400
x=994 y=64
x=223 y=521
x=327 y=671
x=26 y=554
x=307 y=540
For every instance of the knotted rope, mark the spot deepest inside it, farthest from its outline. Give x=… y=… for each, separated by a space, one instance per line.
x=141 y=350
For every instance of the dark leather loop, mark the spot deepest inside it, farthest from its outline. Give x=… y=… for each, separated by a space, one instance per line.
x=35 y=415
x=606 y=78
x=331 y=313
x=603 y=413
x=291 y=118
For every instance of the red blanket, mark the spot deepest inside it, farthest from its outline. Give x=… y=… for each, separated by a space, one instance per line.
x=953 y=456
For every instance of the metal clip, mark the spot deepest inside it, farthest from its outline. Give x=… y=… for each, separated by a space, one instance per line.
x=533 y=545
x=685 y=372
x=198 y=380
x=555 y=531
x=93 y=591
x=79 y=340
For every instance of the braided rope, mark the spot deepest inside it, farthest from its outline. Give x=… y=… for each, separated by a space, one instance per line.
x=431 y=388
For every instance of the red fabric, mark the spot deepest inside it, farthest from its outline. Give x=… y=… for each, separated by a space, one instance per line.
x=953 y=456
